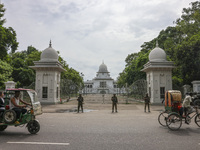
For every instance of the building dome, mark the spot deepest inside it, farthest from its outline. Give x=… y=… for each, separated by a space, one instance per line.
x=103 y=68
x=49 y=54
x=157 y=54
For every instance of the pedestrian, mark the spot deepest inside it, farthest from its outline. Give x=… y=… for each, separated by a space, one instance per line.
x=146 y=102
x=114 y=103
x=80 y=103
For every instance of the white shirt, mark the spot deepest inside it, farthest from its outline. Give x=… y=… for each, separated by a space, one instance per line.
x=187 y=101
x=11 y=104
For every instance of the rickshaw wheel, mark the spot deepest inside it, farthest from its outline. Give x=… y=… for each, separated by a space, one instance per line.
x=174 y=121
x=162 y=118
x=3 y=127
x=9 y=116
x=197 y=120
x=33 y=126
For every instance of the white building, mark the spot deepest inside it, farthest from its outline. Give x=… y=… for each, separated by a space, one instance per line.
x=158 y=74
x=196 y=86
x=48 y=70
x=102 y=83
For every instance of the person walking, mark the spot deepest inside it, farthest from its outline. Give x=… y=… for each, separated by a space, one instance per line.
x=114 y=103
x=146 y=102
x=80 y=103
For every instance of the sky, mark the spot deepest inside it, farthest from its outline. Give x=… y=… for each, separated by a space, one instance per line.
x=90 y=32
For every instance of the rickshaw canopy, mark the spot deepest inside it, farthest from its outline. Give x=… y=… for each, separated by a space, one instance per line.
x=173 y=99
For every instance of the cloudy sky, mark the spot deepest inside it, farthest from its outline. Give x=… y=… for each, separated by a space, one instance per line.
x=87 y=32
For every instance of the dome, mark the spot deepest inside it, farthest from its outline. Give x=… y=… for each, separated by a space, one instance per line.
x=157 y=54
x=49 y=54
x=103 y=68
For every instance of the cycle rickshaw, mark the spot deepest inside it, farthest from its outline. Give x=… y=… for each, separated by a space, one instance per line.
x=172 y=116
x=8 y=116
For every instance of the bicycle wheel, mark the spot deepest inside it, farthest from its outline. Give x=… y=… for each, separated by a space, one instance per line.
x=162 y=118
x=197 y=120
x=174 y=122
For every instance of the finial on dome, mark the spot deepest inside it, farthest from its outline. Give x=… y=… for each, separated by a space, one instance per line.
x=50 y=43
x=157 y=43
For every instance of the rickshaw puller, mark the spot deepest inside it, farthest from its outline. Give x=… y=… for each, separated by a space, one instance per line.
x=186 y=103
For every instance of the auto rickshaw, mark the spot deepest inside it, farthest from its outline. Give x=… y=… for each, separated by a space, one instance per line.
x=172 y=116
x=9 y=118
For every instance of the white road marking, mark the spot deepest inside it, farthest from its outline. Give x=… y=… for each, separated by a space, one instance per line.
x=38 y=143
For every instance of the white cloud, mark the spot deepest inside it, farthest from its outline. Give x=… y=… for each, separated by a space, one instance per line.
x=90 y=31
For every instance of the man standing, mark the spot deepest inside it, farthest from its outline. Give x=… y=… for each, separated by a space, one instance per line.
x=80 y=103
x=146 y=101
x=114 y=103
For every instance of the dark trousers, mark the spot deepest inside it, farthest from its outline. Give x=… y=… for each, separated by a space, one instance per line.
x=146 y=104
x=185 y=111
x=80 y=105
x=114 y=105
x=181 y=111
x=19 y=111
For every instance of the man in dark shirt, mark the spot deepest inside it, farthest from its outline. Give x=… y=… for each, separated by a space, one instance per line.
x=80 y=103
x=114 y=103
x=146 y=101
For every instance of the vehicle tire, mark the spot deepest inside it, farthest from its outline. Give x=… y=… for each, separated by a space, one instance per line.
x=197 y=120
x=162 y=118
x=3 y=127
x=9 y=116
x=33 y=126
x=174 y=122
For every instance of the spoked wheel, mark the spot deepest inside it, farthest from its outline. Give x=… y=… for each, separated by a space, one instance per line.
x=197 y=120
x=33 y=126
x=174 y=121
x=9 y=116
x=3 y=127
x=162 y=118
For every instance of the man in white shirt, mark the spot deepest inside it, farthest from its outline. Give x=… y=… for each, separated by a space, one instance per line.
x=186 y=103
x=15 y=104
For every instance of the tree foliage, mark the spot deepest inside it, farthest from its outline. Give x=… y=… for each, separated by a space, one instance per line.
x=5 y=73
x=8 y=40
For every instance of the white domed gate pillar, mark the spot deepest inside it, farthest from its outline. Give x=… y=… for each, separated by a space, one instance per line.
x=48 y=72
x=158 y=74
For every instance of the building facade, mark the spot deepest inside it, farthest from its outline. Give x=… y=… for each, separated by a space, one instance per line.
x=102 y=83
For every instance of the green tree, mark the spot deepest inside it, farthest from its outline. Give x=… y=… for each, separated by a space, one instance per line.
x=5 y=73
x=22 y=74
x=2 y=11
x=8 y=40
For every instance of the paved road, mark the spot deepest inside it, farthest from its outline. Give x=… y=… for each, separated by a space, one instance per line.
x=130 y=129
